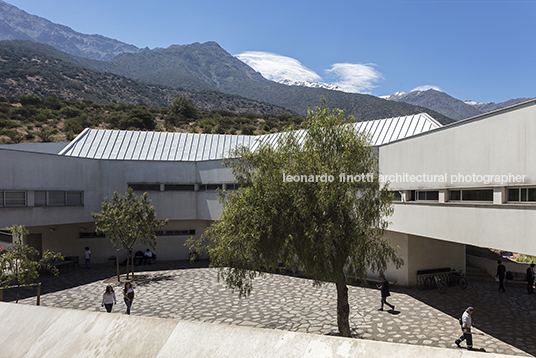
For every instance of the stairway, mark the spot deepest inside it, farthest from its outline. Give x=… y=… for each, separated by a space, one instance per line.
x=477 y=274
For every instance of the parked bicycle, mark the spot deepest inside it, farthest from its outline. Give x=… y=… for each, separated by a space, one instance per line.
x=432 y=281
x=441 y=285
x=457 y=278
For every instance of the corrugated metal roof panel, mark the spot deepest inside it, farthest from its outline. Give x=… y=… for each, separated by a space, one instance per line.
x=163 y=146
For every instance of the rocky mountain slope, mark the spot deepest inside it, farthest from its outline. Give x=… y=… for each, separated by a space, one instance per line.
x=448 y=105
x=16 y=24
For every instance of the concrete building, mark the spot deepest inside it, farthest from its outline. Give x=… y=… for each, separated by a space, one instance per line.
x=53 y=191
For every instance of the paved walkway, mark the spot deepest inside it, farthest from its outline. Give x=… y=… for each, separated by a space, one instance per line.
x=192 y=292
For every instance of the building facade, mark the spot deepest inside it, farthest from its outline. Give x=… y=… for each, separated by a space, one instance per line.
x=53 y=189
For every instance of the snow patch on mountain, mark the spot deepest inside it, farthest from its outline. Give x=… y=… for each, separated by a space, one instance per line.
x=312 y=84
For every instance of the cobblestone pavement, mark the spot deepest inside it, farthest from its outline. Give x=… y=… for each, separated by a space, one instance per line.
x=192 y=292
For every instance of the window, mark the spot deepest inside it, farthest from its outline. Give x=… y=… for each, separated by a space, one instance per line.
x=522 y=194
x=397 y=196
x=90 y=235
x=471 y=195
x=232 y=186
x=74 y=198
x=477 y=195
x=175 y=232
x=14 y=198
x=430 y=195
x=208 y=187
x=58 y=198
x=145 y=187
x=455 y=195
x=1 y=198
x=179 y=187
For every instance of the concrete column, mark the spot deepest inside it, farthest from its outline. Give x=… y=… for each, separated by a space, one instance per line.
x=499 y=195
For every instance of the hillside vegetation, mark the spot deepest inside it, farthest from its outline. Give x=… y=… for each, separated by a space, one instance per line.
x=31 y=119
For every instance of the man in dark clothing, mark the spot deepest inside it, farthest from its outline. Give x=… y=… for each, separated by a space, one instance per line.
x=384 y=287
x=530 y=278
x=501 y=272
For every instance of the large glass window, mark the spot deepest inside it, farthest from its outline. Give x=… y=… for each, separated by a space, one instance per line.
x=430 y=195
x=477 y=195
x=471 y=195
x=522 y=194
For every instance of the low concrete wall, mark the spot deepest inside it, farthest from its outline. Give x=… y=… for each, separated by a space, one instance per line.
x=491 y=265
x=33 y=331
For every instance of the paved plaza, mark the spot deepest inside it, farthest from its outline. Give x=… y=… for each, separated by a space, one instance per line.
x=180 y=290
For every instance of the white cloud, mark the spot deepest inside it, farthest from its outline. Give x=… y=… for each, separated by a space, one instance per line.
x=276 y=67
x=349 y=77
x=424 y=88
x=354 y=77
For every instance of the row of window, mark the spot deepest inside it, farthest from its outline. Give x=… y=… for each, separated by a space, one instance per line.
x=181 y=187
x=484 y=195
x=94 y=235
x=19 y=198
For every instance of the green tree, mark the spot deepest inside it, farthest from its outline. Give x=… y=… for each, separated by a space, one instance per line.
x=184 y=106
x=329 y=229
x=126 y=220
x=20 y=265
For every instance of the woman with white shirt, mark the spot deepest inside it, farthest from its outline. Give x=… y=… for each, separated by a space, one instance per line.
x=108 y=298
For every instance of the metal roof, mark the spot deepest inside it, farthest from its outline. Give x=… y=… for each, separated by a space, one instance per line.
x=166 y=146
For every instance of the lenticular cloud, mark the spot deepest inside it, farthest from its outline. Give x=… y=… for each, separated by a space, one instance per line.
x=354 y=77
x=348 y=77
x=278 y=68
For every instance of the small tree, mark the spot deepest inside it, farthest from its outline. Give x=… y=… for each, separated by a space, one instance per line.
x=21 y=264
x=294 y=206
x=127 y=220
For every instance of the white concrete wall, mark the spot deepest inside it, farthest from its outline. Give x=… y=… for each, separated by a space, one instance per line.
x=33 y=331
x=65 y=240
x=420 y=253
x=500 y=143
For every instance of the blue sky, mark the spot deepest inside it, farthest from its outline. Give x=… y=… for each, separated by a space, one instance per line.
x=473 y=50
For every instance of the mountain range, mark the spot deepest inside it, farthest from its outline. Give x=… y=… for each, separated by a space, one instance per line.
x=449 y=106
x=16 y=24
x=155 y=76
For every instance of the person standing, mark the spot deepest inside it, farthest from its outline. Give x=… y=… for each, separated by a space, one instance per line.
x=108 y=298
x=384 y=287
x=87 y=257
x=466 y=322
x=501 y=272
x=530 y=279
x=128 y=294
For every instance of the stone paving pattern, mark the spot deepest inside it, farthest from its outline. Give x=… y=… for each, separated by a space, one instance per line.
x=180 y=290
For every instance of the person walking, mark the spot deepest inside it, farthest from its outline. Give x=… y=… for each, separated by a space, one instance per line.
x=466 y=322
x=108 y=298
x=530 y=279
x=501 y=273
x=384 y=287
x=128 y=294
x=87 y=257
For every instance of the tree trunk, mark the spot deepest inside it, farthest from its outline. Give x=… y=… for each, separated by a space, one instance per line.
x=132 y=259
x=343 y=308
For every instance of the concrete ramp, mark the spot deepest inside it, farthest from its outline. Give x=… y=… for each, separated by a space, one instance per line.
x=34 y=331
